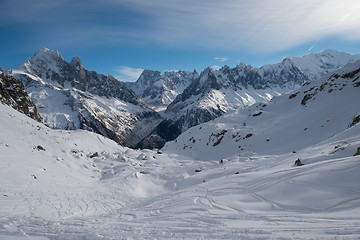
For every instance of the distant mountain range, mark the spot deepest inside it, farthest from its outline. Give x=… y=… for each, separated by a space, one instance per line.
x=68 y=96
x=217 y=92
x=71 y=97
x=160 y=89
x=322 y=111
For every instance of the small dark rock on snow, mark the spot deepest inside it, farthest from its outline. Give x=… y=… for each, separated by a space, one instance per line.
x=40 y=148
x=96 y=154
x=357 y=152
x=298 y=162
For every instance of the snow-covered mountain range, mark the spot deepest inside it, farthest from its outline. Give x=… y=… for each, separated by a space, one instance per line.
x=214 y=93
x=285 y=169
x=314 y=113
x=71 y=97
x=160 y=89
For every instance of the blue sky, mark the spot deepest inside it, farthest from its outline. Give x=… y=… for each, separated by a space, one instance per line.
x=122 y=37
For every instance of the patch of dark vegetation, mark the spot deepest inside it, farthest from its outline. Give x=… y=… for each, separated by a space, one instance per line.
x=293 y=95
x=218 y=141
x=351 y=74
x=257 y=114
x=357 y=152
x=306 y=98
x=309 y=90
x=355 y=121
x=248 y=135
x=217 y=136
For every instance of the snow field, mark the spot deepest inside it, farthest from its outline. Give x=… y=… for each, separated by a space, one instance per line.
x=231 y=178
x=128 y=194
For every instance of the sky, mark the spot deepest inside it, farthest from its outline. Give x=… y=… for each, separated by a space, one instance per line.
x=123 y=37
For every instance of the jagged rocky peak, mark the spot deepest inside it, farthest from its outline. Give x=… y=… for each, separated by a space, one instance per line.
x=47 y=54
x=46 y=57
x=146 y=79
x=147 y=76
x=158 y=89
x=42 y=60
x=207 y=71
x=76 y=63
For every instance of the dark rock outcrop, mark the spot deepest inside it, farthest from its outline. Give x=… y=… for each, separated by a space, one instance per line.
x=12 y=93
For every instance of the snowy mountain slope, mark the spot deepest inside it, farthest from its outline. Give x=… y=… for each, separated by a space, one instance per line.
x=58 y=184
x=217 y=92
x=160 y=89
x=312 y=114
x=316 y=65
x=71 y=97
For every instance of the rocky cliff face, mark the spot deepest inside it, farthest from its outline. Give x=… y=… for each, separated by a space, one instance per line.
x=12 y=93
x=71 y=97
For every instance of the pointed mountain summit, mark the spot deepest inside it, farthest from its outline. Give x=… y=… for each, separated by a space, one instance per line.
x=71 y=97
x=76 y=63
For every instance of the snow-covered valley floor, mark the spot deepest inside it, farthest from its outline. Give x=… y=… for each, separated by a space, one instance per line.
x=79 y=185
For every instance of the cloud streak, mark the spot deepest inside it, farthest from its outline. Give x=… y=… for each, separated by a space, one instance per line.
x=221 y=59
x=127 y=74
x=273 y=25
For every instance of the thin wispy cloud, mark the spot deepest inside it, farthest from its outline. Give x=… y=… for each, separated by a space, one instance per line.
x=127 y=74
x=221 y=59
x=215 y=67
x=272 y=25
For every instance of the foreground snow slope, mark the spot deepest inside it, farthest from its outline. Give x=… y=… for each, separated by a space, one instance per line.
x=57 y=184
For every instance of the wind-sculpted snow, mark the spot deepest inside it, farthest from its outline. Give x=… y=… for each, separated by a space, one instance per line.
x=231 y=178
